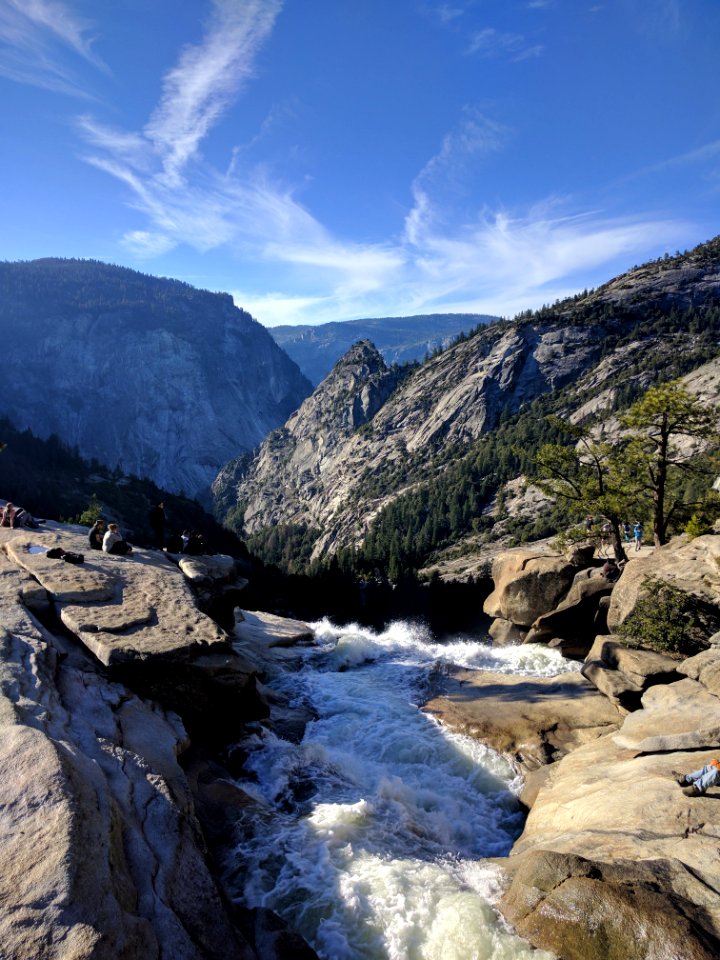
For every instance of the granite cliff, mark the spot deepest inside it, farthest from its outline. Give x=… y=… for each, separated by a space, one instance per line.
x=147 y=375
x=331 y=472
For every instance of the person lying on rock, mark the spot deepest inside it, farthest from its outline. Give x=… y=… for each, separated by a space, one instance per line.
x=113 y=541
x=13 y=516
x=96 y=535
x=696 y=783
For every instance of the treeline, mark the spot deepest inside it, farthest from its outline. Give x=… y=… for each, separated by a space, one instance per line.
x=53 y=481
x=35 y=288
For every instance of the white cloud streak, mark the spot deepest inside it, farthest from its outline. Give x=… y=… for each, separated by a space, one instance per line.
x=34 y=35
x=490 y=42
x=207 y=78
x=488 y=262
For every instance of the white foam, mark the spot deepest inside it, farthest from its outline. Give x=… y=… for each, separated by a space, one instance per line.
x=381 y=853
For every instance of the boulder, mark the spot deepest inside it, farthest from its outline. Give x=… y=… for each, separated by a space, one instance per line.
x=527 y=585
x=574 y=649
x=618 y=687
x=580 y=554
x=574 y=617
x=671 y=713
x=691 y=566
x=211 y=569
x=704 y=667
x=644 y=667
x=503 y=632
x=582 y=909
x=534 y=719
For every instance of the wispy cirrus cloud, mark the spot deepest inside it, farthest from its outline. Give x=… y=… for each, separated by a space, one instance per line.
x=36 y=37
x=444 y=257
x=187 y=201
x=490 y=42
x=207 y=79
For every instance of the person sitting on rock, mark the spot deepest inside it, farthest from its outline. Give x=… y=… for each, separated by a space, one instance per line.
x=113 y=541
x=96 y=535
x=696 y=783
x=13 y=516
x=611 y=571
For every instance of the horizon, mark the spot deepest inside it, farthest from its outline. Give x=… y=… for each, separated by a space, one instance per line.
x=438 y=157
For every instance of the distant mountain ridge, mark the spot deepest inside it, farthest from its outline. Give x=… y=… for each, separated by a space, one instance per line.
x=144 y=374
x=423 y=470
x=316 y=349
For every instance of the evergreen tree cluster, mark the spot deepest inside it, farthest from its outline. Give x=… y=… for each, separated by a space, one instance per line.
x=55 y=482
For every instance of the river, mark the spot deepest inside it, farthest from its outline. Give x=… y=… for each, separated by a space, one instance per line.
x=377 y=827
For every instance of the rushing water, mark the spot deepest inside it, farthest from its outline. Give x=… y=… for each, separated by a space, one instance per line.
x=378 y=824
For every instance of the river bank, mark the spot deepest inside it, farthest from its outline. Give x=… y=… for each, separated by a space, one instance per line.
x=159 y=771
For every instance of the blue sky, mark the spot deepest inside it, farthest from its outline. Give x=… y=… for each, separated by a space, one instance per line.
x=330 y=159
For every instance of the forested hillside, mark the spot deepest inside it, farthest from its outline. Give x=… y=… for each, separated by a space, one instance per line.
x=52 y=481
x=425 y=470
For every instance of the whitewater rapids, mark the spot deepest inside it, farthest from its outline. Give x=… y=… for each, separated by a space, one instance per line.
x=375 y=830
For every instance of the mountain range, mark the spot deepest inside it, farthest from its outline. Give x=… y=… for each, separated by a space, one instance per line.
x=147 y=375
x=394 y=466
x=400 y=340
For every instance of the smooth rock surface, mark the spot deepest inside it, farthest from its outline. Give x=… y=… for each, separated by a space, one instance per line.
x=534 y=719
x=615 y=861
x=207 y=569
x=684 y=707
x=643 y=666
x=704 y=667
x=124 y=609
x=623 y=691
x=100 y=854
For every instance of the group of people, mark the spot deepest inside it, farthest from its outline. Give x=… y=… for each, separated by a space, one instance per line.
x=110 y=540
x=635 y=532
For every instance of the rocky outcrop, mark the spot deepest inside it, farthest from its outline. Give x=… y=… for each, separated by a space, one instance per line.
x=582 y=909
x=528 y=585
x=611 y=839
x=691 y=566
x=623 y=673
x=536 y=720
x=102 y=855
x=147 y=375
x=615 y=862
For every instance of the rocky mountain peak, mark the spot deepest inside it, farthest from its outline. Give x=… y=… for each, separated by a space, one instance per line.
x=351 y=394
